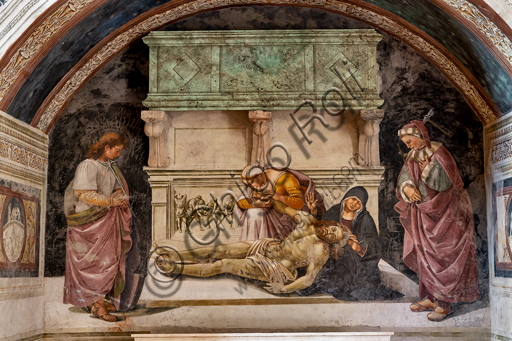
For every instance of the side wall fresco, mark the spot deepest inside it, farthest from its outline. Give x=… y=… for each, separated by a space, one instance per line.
x=23 y=166
x=498 y=178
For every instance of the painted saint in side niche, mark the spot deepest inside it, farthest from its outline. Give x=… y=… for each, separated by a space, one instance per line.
x=98 y=235
x=435 y=211
x=357 y=267
x=257 y=218
x=13 y=230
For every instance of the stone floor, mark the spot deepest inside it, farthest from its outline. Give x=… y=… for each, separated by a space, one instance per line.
x=229 y=304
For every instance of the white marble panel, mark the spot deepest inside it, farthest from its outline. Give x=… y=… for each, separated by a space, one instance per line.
x=21 y=318
x=332 y=147
x=212 y=147
x=354 y=336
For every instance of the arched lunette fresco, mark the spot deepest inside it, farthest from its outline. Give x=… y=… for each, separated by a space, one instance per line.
x=70 y=13
x=117 y=41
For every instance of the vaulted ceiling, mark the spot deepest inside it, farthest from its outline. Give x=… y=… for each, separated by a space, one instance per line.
x=64 y=46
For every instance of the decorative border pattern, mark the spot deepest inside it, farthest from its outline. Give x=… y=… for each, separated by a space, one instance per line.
x=21 y=155
x=73 y=81
x=22 y=172
x=494 y=128
x=23 y=132
x=501 y=151
x=499 y=133
x=486 y=26
x=32 y=289
x=37 y=39
x=18 y=17
x=12 y=133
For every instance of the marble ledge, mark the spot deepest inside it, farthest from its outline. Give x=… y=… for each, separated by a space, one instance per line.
x=238 y=170
x=354 y=336
x=23 y=131
x=160 y=38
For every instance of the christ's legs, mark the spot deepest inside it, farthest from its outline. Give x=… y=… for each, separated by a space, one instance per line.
x=223 y=251
x=240 y=267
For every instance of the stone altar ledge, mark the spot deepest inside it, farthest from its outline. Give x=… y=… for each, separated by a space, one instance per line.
x=364 y=336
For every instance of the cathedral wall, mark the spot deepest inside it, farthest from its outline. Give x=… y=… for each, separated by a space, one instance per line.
x=23 y=166
x=498 y=175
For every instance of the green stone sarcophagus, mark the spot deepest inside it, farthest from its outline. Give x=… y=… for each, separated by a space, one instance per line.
x=271 y=70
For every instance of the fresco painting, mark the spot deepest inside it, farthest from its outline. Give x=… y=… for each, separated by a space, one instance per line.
x=502 y=214
x=19 y=242
x=309 y=197
x=436 y=214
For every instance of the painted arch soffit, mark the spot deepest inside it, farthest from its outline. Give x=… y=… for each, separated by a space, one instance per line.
x=55 y=103
x=22 y=57
x=66 y=13
x=492 y=33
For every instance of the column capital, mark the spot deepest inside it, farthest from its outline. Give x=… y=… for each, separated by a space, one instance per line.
x=153 y=116
x=157 y=129
x=372 y=114
x=260 y=115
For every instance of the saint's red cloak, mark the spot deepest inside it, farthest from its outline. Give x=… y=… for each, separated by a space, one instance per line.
x=95 y=257
x=439 y=242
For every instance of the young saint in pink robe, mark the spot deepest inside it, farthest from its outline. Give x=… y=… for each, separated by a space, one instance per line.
x=98 y=235
x=436 y=213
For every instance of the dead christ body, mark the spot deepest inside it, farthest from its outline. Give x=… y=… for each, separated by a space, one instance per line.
x=273 y=261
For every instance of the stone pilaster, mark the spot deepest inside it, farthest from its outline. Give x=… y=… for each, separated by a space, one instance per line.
x=157 y=129
x=261 y=135
x=368 y=127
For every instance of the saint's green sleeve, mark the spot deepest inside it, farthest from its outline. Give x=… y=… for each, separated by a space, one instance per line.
x=436 y=178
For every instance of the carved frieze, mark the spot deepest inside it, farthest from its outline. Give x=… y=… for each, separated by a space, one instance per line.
x=204 y=214
x=23 y=150
x=501 y=151
x=21 y=155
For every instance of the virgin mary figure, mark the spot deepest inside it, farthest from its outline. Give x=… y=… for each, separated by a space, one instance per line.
x=357 y=266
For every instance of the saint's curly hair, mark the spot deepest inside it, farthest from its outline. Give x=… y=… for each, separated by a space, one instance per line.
x=109 y=139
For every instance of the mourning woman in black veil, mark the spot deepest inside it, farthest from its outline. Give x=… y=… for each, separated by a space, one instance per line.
x=357 y=266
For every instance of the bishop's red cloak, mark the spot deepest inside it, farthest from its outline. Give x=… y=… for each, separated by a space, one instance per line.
x=439 y=243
